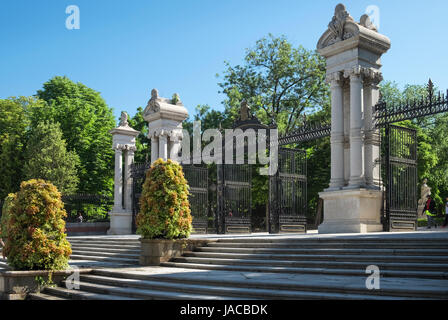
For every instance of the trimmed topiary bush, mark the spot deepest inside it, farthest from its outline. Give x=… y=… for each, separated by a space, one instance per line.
x=35 y=236
x=164 y=207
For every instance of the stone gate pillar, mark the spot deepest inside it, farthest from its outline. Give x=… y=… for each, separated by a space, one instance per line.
x=123 y=142
x=353 y=51
x=165 y=117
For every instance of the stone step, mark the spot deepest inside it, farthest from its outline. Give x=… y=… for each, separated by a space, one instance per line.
x=97 y=264
x=291 y=245
x=392 y=238
x=105 y=241
x=231 y=291
x=106 y=250
x=147 y=294
x=105 y=259
x=43 y=296
x=310 y=270
x=81 y=295
x=99 y=253
x=341 y=251
x=106 y=246
x=325 y=257
x=351 y=285
x=318 y=264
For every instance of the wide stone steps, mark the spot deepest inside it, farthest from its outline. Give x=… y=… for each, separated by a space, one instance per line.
x=281 y=287
x=72 y=294
x=107 y=250
x=320 y=257
x=330 y=245
x=146 y=293
x=82 y=252
x=118 y=260
x=317 y=270
x=339 y=251
x=220 y=289
x=316 y=264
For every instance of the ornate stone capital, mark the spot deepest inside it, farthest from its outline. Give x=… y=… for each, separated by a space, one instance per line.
x=354 y=73
x=334 y=79
x=372 y=77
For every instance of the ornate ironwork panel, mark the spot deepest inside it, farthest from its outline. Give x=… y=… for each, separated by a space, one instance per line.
x=234 y=198
x=138 y=174
x=288 y=193
x=386 y=113
x=197 y=178
x=305 y=133
x=401 y=179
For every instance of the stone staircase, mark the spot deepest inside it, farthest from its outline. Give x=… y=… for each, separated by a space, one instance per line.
x=267 y=268
x=104 y=252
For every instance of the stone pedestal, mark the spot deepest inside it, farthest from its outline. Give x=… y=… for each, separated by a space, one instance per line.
x=351 y=211
x=123 y=142
x=353 y=50
x=120 y=222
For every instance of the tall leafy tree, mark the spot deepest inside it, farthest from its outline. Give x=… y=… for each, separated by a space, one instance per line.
x=47 y=158
x=281 y=82
x=14 y=123
x=85 y=121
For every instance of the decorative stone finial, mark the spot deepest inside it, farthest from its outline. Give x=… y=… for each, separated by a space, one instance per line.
x=154 y=94
x=245 y=111
x=337 y=24
x=124 y=119
x=367 y=23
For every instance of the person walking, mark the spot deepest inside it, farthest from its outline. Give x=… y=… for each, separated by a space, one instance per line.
x=430 y=211
x=446 y=213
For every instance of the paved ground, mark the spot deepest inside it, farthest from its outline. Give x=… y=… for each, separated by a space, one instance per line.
x=439 y=233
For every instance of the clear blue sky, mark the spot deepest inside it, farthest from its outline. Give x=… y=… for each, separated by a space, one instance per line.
x=125 y=48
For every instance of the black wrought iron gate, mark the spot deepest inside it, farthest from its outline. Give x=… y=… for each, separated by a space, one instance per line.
x=197 y=178
x=401 y=178
x=234 y=198
x=288 y=193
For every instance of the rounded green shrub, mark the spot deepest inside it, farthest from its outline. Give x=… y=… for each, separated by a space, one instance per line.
x=164 y=207
x=35 y=229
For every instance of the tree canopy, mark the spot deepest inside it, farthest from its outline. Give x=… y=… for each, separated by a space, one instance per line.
x=47 y=158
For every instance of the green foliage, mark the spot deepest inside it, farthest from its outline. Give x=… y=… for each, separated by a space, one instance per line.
x=164 y=207
x=85 y=121
x=47 y=158
x=35 y=228
x=278 y=81
x=14 y=122
x=432 y=150
x=142 y=142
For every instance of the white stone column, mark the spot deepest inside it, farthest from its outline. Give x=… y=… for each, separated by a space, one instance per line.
x=118 y=179
x=356 y=139
x=337 y=132
x=163 y=146
x=154 y=148
x=372 y=135
x=128 y=161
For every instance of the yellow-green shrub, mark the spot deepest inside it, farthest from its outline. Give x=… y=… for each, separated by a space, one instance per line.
x=35 y=229
x=164 y=207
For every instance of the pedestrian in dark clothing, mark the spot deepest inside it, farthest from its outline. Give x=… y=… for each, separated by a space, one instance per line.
x=430 y=211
